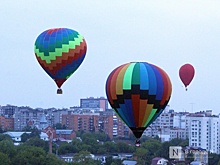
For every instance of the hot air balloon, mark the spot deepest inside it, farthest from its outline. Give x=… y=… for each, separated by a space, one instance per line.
x=138 y=92
x=60 y=51
x=186 y=73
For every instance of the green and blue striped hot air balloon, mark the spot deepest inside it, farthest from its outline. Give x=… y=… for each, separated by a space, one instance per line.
x=60 y=51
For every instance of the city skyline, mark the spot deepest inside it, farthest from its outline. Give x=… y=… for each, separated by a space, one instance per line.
x=167 y=34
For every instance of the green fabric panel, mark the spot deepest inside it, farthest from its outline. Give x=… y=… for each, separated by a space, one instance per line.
x=136 y=74
x=128 y=77
x=59 y=51
x=152 y=113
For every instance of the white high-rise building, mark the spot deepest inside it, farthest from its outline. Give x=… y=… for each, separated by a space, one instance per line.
x=204 y=130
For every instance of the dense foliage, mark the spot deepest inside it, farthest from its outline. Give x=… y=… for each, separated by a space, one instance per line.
x=33 y=150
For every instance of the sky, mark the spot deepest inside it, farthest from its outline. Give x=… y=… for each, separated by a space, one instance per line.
x=167 y=33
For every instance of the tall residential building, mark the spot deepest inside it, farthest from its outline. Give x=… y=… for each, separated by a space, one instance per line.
x=8 y=110
x=6 y=123
x=54 y=116
x=25 y=115
x=106 y=123
x=204 y=130
x=168 y=125
x=92 y=102
x=89 y=122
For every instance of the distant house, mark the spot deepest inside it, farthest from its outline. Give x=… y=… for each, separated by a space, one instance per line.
x=16 y=136
x=66 y=134
x=129 y=162
x=196 y=163
x=67 y=157
x=159 y=161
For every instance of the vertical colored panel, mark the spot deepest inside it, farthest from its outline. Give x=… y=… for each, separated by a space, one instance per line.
x=152 y=80
x=151 y=115
x=113 y=84
x=120 y=78
x=124 y=116
x=142 y=110
x=135 y=108
x=160 y=85
x=128 y=110
x=144 y=79
x=136 y=74
x=147 y=113
x=128 y=77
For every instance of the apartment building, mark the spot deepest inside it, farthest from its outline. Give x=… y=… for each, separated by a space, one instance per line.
x=6 y=123
x=92 y=102
x=54 y=115
x=204 y=130
x=8 y=111
x=89 y=122
x=24 y=116
x=120 y=129
x=169 y=125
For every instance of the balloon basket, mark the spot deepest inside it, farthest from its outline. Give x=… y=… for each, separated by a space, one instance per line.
x=138 y=143
x=59 y=91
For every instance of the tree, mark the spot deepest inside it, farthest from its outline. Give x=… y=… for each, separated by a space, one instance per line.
x=52 y=159
x=59 y=126
x=124 y=147
x=1 y=130
x=37 y=142
x=65 y=148
x=77 y=145
x=5 y=137
x=4 y=159
x=7 y=147
x=30 y=155
x=164 y=150
x=110 y=161
x=189 y=157
x=213 y=158
x=142 y=156
x=153 y=146
x=35 y=132
x=81 y=156
x=27 y=128
x=110 y=147
x=24 y=137
x=101 y=136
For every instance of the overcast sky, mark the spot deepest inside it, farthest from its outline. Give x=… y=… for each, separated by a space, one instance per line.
x=167 y=33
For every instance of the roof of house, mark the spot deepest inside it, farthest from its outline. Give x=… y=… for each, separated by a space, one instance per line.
x=195 y=163
x=43 y=134
x=64 y=131
x=15 y=134
x=129 y=162
x=155 y=160
x=18 y=134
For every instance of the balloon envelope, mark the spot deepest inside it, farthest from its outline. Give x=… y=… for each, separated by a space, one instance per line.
x=138 y=92
x=60 y=52
x=186 y=73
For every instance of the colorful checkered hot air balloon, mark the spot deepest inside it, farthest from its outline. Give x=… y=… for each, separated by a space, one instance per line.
x=138 y=92
x=60 y=51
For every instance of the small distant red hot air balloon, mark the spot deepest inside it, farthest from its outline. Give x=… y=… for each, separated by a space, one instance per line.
x=186 y=73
